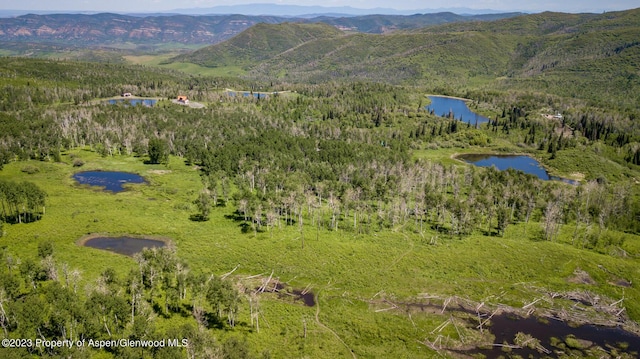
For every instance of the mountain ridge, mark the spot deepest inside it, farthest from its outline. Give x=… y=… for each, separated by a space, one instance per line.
x=305 y=10
x=270 y=9
x=111 y=29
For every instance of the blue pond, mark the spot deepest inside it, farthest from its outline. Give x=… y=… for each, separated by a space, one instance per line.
x=525 y=164
x=442 y=106
x=123 y=245
x=111 y=181
x=258 y=95
x=134 y=101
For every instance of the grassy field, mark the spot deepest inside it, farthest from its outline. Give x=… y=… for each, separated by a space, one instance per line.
x=188 y=68
x=354 y=277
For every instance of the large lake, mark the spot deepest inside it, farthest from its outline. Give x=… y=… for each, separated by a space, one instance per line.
x=522 y=163
x=111 y=181
x=442 y=106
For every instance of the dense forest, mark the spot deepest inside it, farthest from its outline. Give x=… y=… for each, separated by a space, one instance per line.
x=350 y=143
x=320 y=180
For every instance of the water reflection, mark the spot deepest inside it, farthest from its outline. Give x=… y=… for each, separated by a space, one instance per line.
x=522 y=163
x=111 y=181
x=457 y=108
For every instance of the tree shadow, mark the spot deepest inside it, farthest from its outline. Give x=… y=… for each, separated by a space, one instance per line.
x=149 y=162
x=245 y=227
x=214 y=321
x=198 y=217
x=489 y=233
x=440 y=229
x=235 y=216
x=159 y=310
x=182 y=309
x=22 y=218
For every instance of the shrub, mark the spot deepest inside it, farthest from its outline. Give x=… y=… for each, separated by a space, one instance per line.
x=45 y=249
x=30 y=169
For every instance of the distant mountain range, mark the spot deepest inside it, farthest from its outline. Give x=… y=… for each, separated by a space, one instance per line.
x=125 y=31
x=114 y=29
x=314 y=11
x=380 y=24
x=299 y=11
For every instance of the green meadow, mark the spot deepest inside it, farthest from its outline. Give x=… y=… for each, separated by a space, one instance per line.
x=356 y=279
x=161 y=60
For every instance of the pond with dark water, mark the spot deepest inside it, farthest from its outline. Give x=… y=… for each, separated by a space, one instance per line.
x=304 y=296
x=111 y=181
x=552 y=333
x=444 y=106
x=556 y=337
x=123 y=245
x=522 y=163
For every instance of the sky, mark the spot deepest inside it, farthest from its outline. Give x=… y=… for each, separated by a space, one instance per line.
x=147 y=6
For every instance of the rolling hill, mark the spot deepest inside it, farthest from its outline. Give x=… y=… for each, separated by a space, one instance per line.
x=588 y=56
x=261 y=42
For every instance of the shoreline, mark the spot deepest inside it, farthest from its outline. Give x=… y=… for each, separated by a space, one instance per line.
x=454 y=97
x=573 y=178
x=82 y=241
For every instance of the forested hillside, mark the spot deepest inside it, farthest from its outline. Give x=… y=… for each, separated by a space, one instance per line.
x=262 y=42
x=316 y=208
x=380 y=24
x=586 y=56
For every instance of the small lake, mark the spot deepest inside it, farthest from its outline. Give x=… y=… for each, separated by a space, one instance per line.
x=134 y=101
x=111 y=181
x=123 y=245
x=522 y=163
x=443 y=106
x=525 y=164
x=258 y=95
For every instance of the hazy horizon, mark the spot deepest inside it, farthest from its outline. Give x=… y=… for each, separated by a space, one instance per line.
x=150 y=6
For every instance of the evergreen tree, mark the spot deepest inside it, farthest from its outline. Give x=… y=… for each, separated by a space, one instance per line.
x=158 y=151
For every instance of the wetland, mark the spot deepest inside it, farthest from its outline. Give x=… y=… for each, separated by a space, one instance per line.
x=111 y=181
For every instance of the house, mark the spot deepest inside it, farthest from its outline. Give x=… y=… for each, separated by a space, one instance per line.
x=126 y=94
x=183 y=99
x=557 y=116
